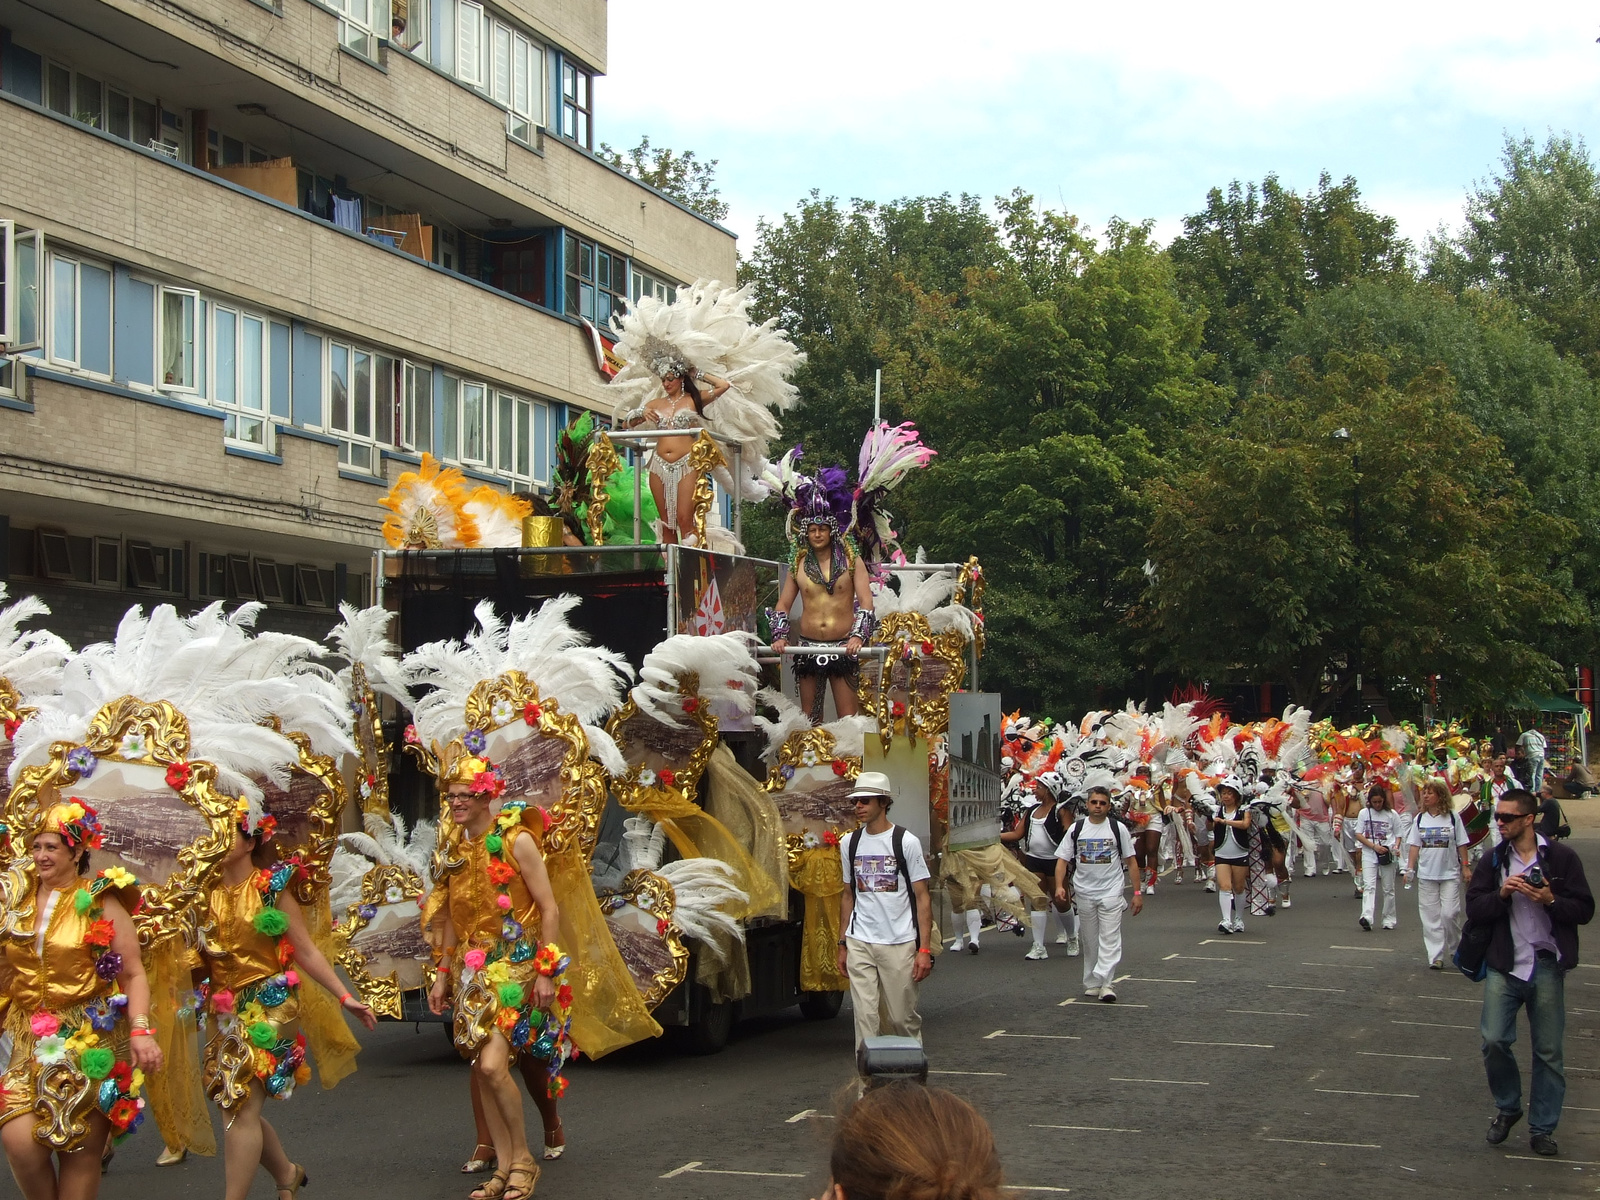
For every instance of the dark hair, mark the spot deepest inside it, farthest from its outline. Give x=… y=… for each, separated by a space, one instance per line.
x=1097 y=790
x=1522 y=798
x=1378 y=789
x=904 y=1141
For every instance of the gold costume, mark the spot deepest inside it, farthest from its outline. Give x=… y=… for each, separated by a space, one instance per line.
x=67 y=1021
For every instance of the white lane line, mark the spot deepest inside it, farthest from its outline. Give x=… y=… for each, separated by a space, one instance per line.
x=1258 y=1012
x=1146 y=979
x=1174 y=1082
x=799 y=1116
x=1034 y=1187
x=1237 y=1045
x=1205 y=958
x=1294 y=987
x=1459 y=999
x=1001 y=1073
x=1237 y=941
x=1097 y=1004
x=1341 y=966
x=1427 y=1057
x=1310 y=1142
x=1054 y=1037
x=1575 y=1108
x=1088 y=1128
x=1570 y=1162
x=697 y=1169
x=1364 y=950
x=1392 y=1095
x=1585 y=1070
x=1432 y=1025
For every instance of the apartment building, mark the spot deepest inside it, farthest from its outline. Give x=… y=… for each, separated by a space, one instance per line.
x=260 y=255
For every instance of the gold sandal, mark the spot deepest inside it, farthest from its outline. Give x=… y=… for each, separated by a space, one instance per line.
x=476 y=1165
x=554 y=1150
x=514 y=1191
x=492 y=1188
x=300 y=1181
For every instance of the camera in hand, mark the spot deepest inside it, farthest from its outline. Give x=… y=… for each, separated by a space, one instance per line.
x=1534 y=876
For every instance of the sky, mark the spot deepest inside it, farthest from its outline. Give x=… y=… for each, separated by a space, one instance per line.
x=1133 y=110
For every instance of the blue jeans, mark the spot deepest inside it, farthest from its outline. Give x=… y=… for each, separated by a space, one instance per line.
x=1543 y=995
x=1535 y=775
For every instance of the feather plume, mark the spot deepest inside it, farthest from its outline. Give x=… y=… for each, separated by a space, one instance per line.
x=888 y=454
x=361 y=636
x=497 y=516
x=724 y=666
x=703 y=891
x=31 y=662
x=427 y=508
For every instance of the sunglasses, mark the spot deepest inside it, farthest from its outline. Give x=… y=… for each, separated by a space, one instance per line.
x=1503 y=817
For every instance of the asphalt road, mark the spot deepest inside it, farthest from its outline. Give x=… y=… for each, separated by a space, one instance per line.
x=1347 y=1069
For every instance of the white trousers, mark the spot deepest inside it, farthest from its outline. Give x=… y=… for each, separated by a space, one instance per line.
x=1439 y=904
x=1314 y=836
x=1100 y=935
x=1371 y=874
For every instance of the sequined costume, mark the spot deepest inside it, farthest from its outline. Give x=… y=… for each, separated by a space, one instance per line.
x=67 y=1016
x=254 y=993
x=671 y=474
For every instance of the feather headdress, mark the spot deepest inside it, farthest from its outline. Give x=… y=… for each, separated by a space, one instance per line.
x=362 y=636
x=30 y=662
x=428 y=510
x=586 y=680
x=849 y=733
x=498 y=517
x=888 y=454
x=720 y=669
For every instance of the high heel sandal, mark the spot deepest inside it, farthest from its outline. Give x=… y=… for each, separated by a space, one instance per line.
x=476 y=1165
x=492 y=1188
x=301 y=1179
x=554 y=1150
x=515 y=1191
x=171 y=1158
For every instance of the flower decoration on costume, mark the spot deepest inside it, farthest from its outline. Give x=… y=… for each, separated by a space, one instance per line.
x=531 y=713
x=178 y=776
x=502 y=711
x=830 y=837
x=475 y=741
x=810 y=840
x=840 y=767
x=12 y=725
x=666 y=777
x=488 y=782
x=134 y=745
x=410 y=736
x=647 y=777
x=76 y=824
x=255 y=820
x=81 y=761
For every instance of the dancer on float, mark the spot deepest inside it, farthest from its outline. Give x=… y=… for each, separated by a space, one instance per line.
x=503 y=980
x=681 y=406
x=79 y=1010
x=1230 y=823
x=257 y=953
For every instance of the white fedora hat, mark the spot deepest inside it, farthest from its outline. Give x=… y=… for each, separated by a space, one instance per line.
x=872 y=784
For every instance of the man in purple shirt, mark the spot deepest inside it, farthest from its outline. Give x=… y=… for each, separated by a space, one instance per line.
x=1532 y=896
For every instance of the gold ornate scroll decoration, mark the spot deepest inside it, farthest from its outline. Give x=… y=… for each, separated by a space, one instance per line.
x=928 y=717
x=603 y=464
x=653 y=894
x=61 y=1091
x=323 y=836
x=368 y=729
x=166 y=736
x=382 y=992
x=704 y=457
x=970 y=583
x=686 y=777
x=11 y=706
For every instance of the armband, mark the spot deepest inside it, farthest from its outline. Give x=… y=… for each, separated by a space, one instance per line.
x=861 y=627
x=630 y=414
x=779 y=620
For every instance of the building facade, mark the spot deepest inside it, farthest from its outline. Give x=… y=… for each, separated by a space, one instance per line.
x=260 y=255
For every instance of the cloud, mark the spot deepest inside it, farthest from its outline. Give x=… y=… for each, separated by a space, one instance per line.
x=1132 y=110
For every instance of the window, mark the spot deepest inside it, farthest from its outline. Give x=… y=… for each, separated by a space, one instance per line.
x=19 y=287
x=80 y=314
x=597 y=281
x=179 y=309
x=362 y=394
x=527 y=89
x=474 y=413
x=360 y=24
x=408 y=26
x=416 y=421
x=649 y=285
x=577 y=110
x=518 y=268
x=229 y=151
x=469 y=42
x=451 y=389
x=524 y=432
x=239 y=366
x=156 y=568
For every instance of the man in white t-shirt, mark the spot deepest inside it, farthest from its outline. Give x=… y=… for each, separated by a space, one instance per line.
x=885 y=915
x=1099 y=851
x=1533 y=745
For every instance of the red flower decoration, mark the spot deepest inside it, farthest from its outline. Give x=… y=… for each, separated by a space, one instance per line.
x=178 y=776
x=122 y=1113
x=564 y=995
x=661 y=926
x=99 y=933
x=12 y=725
x=897 y=709
x=927 y=647
x=830 y=837
x=530 y=713
x=123 y=1074
x=692 y=704
x=840 y=767
x=411 y=737
x=667 y=778
x=285 y=952
x=500 y=872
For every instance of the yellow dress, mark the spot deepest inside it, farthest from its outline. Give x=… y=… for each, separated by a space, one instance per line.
x=67 y=1021
x=254 y=995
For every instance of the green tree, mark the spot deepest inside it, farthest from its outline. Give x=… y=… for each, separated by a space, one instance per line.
x=1407 y=550
x=687 y=179
x=1532 y=236
x=1256 y=255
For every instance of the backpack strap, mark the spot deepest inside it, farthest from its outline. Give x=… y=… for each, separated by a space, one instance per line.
x=855 y=842
x=899 y=842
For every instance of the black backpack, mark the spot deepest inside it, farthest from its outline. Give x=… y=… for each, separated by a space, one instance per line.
x=899 y=843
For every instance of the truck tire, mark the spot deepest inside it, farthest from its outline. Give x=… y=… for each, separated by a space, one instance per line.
x=708 y=1033
x=821 y=1006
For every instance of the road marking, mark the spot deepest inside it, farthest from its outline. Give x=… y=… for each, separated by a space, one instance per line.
x=1097 y=1004
x=1294 y=987
x=1257 y=1012
x=1310 y=1142
x=1174 y=1082
x=1570 y=1162
x=697 y=1169
x=1196 y=958
x=1088 y=1128
x=799 y=1116
x=1428 y=1057
x=1392 y=1095
x=1237 y=941
x=1029 y=1187
x=1567 y=1108
x=1056 y=1037
x=1585 y=1070
x=1145 y=979
x=1238 y=1045
x=1364 y=950
x=966 y=1073
x=1432 y=1025
x=1459 y=999
x=1341 y=966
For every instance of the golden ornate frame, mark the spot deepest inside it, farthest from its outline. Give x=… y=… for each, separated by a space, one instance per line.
x=970 y=583
x=900 y=632
x=166 y=733
x=704 y=457
x=817 y=744
x=603 y=463
x=687 y=777
x=323 y=837
x=382 y=992
x=370 y=742
x=651 y=893
x=11 y=706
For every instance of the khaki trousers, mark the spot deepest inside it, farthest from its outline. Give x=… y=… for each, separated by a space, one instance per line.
x=880 y=978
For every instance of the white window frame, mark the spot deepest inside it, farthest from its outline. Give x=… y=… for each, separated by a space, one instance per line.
x=469 y=29
x=195 y=333
x=349 y=438
x=416 y=410
x=484 y=430
x=11 y=308
x=47 y=314
x=525 y=112
x=235 y=407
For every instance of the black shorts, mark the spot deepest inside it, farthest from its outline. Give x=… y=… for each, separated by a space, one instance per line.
x=1232 y=862
x=1276 y=839
x=1040 y=866
x=825 y=666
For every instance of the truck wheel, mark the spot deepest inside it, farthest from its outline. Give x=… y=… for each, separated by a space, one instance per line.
x=709 y=1033
x=821 y=1006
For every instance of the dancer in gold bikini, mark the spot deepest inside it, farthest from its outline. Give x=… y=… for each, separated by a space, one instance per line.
x=79 y=1009
x=257 y=952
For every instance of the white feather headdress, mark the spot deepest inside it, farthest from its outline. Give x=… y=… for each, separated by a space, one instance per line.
x=849 y=733
x=586 y=680
x=31 y=662
x=362 y=636
x=928 y=594
x=724 y=666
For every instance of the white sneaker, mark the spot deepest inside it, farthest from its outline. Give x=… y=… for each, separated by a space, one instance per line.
x=1391 y=924
x=1286 y=903
x=1329 y=870
x=1211 y=885
x=1037 y=954
x=1072 y=947
x=1312 y=874
x=1238 y=926
x=1200 y=874
x=1107 y=996
x=1177 y=877
x=1063 y=940
x=1093 y=993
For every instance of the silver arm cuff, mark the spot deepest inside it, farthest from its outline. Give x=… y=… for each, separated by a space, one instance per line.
x=779 y=621
x=862 y=626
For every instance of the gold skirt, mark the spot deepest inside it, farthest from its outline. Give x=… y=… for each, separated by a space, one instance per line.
x=59 y=1096
x=239 y=1051
x=478 y=1010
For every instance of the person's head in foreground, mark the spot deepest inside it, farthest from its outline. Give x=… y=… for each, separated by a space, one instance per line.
x=904 y=1141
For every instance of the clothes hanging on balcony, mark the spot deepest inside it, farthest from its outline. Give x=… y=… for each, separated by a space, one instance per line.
x=347 y=214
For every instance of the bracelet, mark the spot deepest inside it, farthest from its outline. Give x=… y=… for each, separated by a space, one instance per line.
x=142 y=1021
x=133 y=1033
x=861 y=627
x=346 y=998
x=779 y=621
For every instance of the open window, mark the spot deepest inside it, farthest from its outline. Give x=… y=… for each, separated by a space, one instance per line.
x=179 y=311
x=19 y=287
